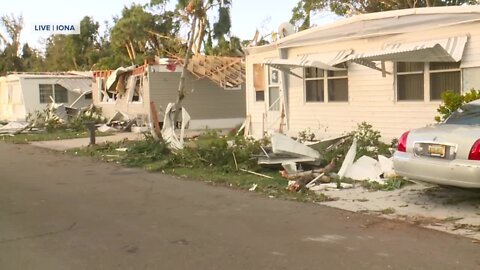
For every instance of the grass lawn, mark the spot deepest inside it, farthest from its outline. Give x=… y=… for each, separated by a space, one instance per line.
x=48 y=136
x=274 y=188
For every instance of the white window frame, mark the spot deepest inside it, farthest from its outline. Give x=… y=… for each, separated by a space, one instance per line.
x=100 y=85
x=53 y=93
x=325 y=79
x=325 y=88
x=140 y=91
x=459 y=69
x=426 y=81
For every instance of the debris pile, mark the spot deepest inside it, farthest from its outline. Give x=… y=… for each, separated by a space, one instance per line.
x=284 y=149
x=311 y=165
x=12 y=128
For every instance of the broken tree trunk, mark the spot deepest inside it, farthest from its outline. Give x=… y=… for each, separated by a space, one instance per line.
x=156 y=126
x=181 y=85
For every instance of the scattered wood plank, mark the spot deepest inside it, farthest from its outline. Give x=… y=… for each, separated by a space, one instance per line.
x=258 y=174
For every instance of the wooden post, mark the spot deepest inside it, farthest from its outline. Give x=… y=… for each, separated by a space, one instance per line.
x=91 y=129
x=156 y=125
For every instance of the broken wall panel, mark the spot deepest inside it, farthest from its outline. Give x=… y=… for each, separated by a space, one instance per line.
x=204 y=99
x=259 y=77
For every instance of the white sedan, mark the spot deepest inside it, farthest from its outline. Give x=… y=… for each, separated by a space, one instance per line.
x=445 y=154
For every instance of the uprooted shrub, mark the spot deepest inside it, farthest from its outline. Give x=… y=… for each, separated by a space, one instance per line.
x=48 y=119
x=368 y=144
x=146 y=151
x=91 y=115
x=220 y=152
x=45 y=119
x=209 y=150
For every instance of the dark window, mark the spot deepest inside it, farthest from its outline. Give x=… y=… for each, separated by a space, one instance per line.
x=337 y=86
x=410 y=81
x=259 y=95
x=314 y=91
x=312 y=72
x=61 y=94
x=259 y=82
x=314 y=85
x=443 y=77
x=88 y=96
x=46 y=91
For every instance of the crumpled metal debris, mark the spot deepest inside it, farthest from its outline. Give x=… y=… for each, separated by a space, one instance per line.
x=13 y=127
x=285 y=149
x=168 y=129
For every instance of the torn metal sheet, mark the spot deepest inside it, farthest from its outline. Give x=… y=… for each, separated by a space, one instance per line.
x=290 y=167
x=58 y=111
x=105 y=128
x=349 y=158
x=78 y=86
x=119 y=116
x=329 y=186
x=386 y=164
x=72 y=105
x=12 y=127
x=282 y=144
x=116 y=74
x=325 y=143
x=365 y=168
x=168 y=129
x=72 y=112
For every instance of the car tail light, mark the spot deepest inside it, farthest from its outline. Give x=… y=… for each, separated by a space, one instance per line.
x=475 y=151
x=402 y=142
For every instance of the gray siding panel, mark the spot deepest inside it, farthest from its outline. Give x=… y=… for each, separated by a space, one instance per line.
x=203 y=100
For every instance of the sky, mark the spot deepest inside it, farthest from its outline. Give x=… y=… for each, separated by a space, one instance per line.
x=246 y=15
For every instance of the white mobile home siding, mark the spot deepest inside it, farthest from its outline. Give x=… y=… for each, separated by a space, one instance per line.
x=372 y=98
x=12 y=107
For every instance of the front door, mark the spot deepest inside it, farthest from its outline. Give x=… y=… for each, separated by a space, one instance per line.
x=273 y=114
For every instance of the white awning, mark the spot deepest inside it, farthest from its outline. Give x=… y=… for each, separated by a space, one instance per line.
x=77 y=85
x=440 y=50
x=322 y=61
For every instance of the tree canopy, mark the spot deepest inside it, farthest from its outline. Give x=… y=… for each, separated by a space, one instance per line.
x=302 y=12
x=139 y=33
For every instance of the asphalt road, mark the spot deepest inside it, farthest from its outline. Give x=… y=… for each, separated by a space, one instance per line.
x=62 y=212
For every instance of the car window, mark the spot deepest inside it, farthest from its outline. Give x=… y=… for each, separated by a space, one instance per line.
x=465 y=117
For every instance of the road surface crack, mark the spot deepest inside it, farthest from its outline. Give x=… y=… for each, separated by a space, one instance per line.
x=69 y=228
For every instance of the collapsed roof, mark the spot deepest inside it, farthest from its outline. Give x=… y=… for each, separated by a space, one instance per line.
x=228 y=72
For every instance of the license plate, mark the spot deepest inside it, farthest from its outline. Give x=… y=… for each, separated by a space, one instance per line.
x=436 y=150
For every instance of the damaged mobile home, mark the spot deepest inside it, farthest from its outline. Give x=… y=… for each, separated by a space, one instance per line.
x=24 y=93
x=215 y=92
x=388 y=69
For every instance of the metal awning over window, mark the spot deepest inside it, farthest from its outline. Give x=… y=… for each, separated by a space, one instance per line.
x=440 y=50
x=322 y=61
x=78 y=86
